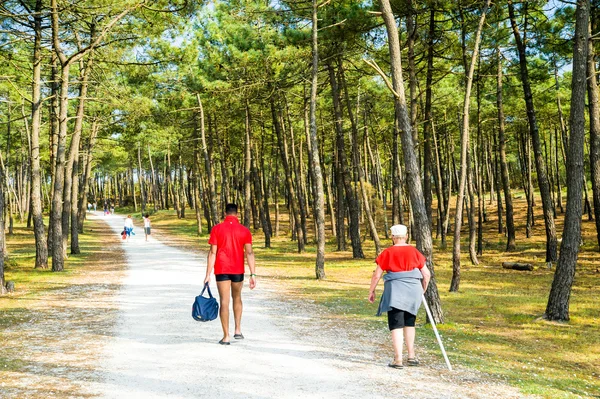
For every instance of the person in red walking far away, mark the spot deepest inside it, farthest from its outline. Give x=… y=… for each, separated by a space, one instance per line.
x=229 y=242
x=405 y=281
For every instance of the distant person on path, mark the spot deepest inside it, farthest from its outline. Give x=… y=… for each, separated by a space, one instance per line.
x=229 y=242
x=89 y=207
x=128 y=226
x=147 y=225
x=112 y=208
x=406 y=279
x=95 y=206
x=105 y=208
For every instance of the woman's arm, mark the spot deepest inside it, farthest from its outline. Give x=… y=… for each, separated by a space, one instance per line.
x=426 y=277
x=377 y=273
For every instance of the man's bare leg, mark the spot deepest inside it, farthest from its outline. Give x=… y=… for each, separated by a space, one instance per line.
x=224 y=288
x=236 y=294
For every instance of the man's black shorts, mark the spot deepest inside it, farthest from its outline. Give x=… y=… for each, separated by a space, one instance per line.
x=400 y=319
x=234 y=278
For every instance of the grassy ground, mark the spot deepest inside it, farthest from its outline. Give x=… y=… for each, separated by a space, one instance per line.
x=493 y=324
x=53 y=326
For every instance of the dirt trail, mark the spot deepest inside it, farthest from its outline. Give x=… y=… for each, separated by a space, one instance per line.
x=159 y=351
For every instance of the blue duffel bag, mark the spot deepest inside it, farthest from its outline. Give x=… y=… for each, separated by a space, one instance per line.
x=205 y=309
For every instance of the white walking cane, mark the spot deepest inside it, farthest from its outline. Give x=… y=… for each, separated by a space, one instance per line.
x=437 y=335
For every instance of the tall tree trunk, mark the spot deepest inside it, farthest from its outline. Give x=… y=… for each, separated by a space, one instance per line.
x=2 y=233
x=212 y=195
x=199 y=125
x=510 y=223
x=397 y=212
x=74 y=207
x=471 y=212
x=297 y=173
x=182 y=193
x=258 y=195
x=58 y=255
x=551 y=240
x=428 y=126
x=315 y=162
x=154 y=190
x=247 y=169
x=357 y=252
x=558 y=301
x=132 y=188
x=365 y=198
x=423 y=230
x=281 y=140
x=594 y=110
x=464 y=149
x=143 y=197
x=439 y=188
x=70 y=209
x=41 y=243
x=340 y=203
x=87 y=175
x=54 y=128
x=561 y=119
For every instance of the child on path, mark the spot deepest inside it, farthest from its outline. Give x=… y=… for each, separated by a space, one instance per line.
x=128 y=227
x=147 y=225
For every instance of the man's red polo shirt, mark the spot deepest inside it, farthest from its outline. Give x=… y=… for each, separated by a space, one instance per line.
x=230 y=237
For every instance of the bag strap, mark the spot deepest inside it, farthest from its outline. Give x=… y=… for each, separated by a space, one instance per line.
x=206 y=288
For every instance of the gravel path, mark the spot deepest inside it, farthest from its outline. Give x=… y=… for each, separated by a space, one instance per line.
x=159 y=351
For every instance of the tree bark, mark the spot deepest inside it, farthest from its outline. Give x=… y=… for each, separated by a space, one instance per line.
x=199 y=122
x=340 y=203
x=87 y=173
x=357 y=252
x=70 y=206
x=247 y=168
x=428 y=125
x=551 y=240
x=471 y=212
x=212 y=195
x=423 y=230
x=297 y=174
x=182 y=193
x=558 y=300
x=315 y=162
x=464 y=149
x=594 y=111
x=141 y=179
x=41 y=242
x=510 y=223
x=2 y=232
x=294 y=214
x=154 y=190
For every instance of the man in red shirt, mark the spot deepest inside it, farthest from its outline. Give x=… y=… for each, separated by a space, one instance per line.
x=229 y=242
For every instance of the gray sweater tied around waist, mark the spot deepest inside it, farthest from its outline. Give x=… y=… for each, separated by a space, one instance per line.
x=401 y=290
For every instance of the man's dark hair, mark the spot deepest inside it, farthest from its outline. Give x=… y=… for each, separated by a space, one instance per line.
x=231 y=209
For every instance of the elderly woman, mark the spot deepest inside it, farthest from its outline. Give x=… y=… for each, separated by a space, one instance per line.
x=405 y=281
